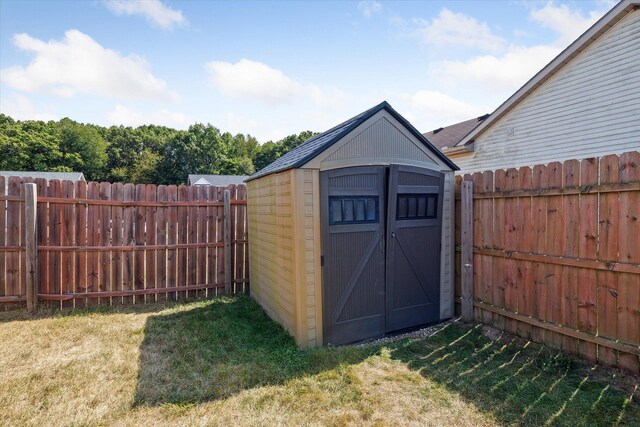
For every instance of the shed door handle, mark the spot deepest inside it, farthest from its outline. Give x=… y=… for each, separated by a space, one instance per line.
x=393 y=234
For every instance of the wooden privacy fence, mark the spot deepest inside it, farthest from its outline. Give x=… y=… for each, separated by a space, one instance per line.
x=105 y=243
x=554 y=254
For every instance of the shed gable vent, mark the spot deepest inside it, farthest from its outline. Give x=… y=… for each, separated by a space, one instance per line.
x=381 y=140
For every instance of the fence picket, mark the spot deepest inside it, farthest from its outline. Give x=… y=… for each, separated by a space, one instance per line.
x=201 y=263
x=183 y=196
x=192 y=237
x=150 y=239
x=524 y=243
x=12 y=263
x=139 y=237
x=67 y=234
x=3 y=206
x=608 y=250
x=161 y=239
x=105 y=240
x=128 y=229
x=117 y=194
x=587 y=249
x=172 y=239
x=93 y=239
x=629 y=252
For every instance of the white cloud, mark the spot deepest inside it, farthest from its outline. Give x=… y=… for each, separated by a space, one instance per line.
x=126 y=116
x=20 y=107
x=503 y=73
x=369 y=8
x=251 y=79
x=429 y=109
x=78 y=65
x=152 y=10
x=247 y=79
x=456 y=29
x=568 y=23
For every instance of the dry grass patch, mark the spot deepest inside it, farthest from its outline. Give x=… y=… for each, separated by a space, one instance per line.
x=223 y=362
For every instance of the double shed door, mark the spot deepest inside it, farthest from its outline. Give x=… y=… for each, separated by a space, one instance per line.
x=381 y=250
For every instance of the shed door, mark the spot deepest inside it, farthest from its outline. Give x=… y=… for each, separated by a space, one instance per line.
x=353 y=226
x=413 y=247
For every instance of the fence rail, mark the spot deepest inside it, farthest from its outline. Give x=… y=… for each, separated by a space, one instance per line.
x=101 y=243
x=556 y=254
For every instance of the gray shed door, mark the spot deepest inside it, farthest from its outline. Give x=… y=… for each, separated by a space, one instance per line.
x=414 y=233
x=381 y=236
x=353 y=227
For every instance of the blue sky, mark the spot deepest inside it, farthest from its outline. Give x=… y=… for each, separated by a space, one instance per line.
x=274 y=68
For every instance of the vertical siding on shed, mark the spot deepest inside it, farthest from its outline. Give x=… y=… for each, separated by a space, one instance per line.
x=271 y=248
x=307 y=262
x=591 y=107
x=284 y=228
x=448 y=247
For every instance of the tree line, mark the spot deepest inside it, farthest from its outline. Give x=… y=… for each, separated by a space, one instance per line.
x=147 y=154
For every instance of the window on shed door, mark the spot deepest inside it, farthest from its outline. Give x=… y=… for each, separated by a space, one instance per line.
x=353 y=210
x=417 y=206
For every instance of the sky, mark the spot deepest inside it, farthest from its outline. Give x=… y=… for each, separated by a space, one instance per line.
x=271 y=69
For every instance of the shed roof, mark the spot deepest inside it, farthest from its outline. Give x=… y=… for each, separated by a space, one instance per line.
x=314 y=146
x=448 y=136
x=63 y=176
x=614 y=15
x=217 y=180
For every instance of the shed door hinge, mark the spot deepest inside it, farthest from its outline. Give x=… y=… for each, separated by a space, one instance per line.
x=321 y=260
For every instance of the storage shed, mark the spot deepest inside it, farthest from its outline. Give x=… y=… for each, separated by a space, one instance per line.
x=351 y=233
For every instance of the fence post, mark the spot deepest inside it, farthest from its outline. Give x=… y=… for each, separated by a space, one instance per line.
x=31 y=245
x=228 y=269
x=466 y=215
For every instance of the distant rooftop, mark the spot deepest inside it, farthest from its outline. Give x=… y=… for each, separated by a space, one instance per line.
x=62 y=176
x=447 y=137
x=217 y=180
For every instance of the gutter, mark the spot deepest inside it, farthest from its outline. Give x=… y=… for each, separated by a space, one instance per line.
x=457 y=151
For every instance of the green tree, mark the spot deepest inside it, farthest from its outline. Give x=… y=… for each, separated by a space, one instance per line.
x=83 y=149
x=145 y=168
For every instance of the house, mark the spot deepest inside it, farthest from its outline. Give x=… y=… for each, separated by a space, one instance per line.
x=584 y=103
x=62 y=176
x=217 y=180
x=446 y=137
x=352 y=232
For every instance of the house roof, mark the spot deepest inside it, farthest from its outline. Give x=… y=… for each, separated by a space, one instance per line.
x=581 y=43
x=448 y=136
x=217 y=180
x=314 y=146
x=63 y=176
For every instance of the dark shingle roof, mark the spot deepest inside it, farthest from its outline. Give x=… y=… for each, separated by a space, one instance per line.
x=447 y=137
x=314 y=146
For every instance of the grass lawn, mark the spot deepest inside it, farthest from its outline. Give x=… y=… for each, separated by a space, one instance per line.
x=223 y=362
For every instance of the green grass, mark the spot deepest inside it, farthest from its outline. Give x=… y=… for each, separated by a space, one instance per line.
x=224 y=362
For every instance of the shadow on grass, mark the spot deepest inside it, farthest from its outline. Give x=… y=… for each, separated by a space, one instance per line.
x=219 y=347
x=519 y=383
x=216 y=348
x=50 y=311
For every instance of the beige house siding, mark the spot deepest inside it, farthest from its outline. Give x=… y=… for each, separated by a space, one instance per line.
x=590 y=107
